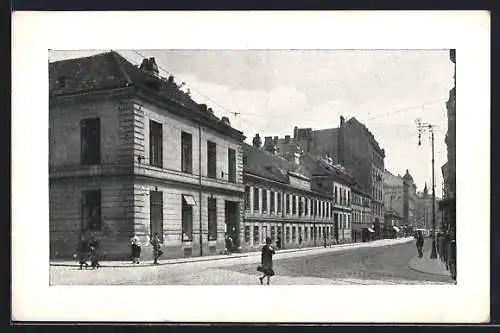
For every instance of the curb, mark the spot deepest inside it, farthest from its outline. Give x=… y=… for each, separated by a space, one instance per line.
x=429 y=273
x=221 y=257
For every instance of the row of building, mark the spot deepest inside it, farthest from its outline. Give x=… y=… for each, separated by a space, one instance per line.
x=131 y=154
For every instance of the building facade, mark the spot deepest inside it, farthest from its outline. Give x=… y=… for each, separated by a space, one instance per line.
x=354 y=147
x=400 y=196
x=281 y=203
x=362 y=230
x=131 y=154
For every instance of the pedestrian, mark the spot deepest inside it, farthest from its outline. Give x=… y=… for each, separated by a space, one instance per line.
x=136 y=250
x=157 y=252
x=82 y=252
x=420 y=243
x=300 y=240
x=266 y=266
x=94 y=254
x=229 y=244
x=278 y=243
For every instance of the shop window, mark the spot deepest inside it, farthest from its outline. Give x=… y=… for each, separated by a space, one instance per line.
x=256 y=235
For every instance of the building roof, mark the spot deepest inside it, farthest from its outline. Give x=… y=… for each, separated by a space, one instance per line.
x=109 y=71
x=316 y=166
x=264 y=164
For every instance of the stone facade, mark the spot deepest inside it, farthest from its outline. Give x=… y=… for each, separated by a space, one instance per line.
x=139 y=193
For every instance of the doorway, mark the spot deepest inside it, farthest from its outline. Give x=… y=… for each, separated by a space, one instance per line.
x=232 y=220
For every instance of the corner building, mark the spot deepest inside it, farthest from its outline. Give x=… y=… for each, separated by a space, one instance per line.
x=131 y=154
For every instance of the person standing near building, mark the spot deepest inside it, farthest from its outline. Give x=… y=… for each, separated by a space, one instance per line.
x=267 y=261
x=94 y=254
x=155 y=242
x=136 y=250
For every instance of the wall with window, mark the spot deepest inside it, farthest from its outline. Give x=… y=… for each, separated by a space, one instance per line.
x=65 y=131
x=180 y=147
x=93 y=208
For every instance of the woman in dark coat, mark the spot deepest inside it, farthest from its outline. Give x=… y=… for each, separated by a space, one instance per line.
x=267 y=261
x=420 y=244
x=94 y=254
x=136 y=250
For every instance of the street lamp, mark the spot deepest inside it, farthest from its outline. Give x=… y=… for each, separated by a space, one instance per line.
x=422 y=128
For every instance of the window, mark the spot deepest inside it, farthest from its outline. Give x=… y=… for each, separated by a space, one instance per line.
x=91 y=210
x=273 y=233
x=256 y=235
x=287 y=204
x=271 y=202
x=155 y=144
x=212 y=219
x=247 y=197
x=247 y=234
x=255 y=199
x=91 y=141
x=294 y=234
x=336 y=197
x=348 y=198
x=312 y=232
x=264 y=200
x=300 y=232
x=294 y=204
x=306 y=234
x=211 y=159
x=231 y=155
x=187 y=152
x=156 y=214
x=306 y=208
x=287 y=234
x=279 y=202
x=187 y=218
x=263 y=234
x=301 y=206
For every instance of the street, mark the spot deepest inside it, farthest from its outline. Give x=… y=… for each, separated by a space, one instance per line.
x=366 y=264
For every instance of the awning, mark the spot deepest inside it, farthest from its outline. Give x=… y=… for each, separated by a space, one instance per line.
x=395 y=228
x=371 y=230
x=189 y=200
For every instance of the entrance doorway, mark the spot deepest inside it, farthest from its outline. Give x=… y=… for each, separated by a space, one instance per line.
x=232 y=219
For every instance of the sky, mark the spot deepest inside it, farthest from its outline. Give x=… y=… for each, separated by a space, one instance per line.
x=274 y=90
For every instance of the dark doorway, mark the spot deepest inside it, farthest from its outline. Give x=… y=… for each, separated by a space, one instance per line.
x=336 y=227
x=156 y=213
x=232 y=210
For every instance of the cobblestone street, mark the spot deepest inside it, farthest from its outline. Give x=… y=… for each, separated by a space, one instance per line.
x=382 y=262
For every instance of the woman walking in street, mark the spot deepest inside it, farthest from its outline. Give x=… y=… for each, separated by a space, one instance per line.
x=155 y=241
x=267 y=261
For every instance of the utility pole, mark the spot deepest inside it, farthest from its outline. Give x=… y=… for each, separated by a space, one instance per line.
x=422 y=128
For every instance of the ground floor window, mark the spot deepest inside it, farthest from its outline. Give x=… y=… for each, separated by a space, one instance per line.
x=300 y=232
x=187 y=218
x=312 y=233
x=91 y=210
x=287 y=234
x=247 y=234
x=212 y=219
x=156 y=213
x=273 y=233
x=256 y=235
x=306 y=234
x=264 y=234
x=294 y=234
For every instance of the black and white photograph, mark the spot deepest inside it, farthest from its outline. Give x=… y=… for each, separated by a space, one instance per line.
x=252 y=167
x=312 y=161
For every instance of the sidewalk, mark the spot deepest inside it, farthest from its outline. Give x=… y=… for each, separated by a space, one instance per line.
x=298 y=251
x=428 y=265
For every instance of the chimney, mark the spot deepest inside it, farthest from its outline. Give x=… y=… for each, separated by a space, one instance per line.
x=342 y=121
x=295 y=132
x=257 y=142
x=340 y=141
x=287 y=138
x=149 y=66
x=268 y=144
x=203 y=107
x=225 y=121
x=275 y=141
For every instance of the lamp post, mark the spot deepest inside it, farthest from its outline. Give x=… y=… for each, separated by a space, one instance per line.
x=423 y=127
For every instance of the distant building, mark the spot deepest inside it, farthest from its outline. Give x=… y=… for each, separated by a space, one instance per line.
x=353 y=146
x=400 y=196
x=131 y=154
x=423 y=210
x=281 y=201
